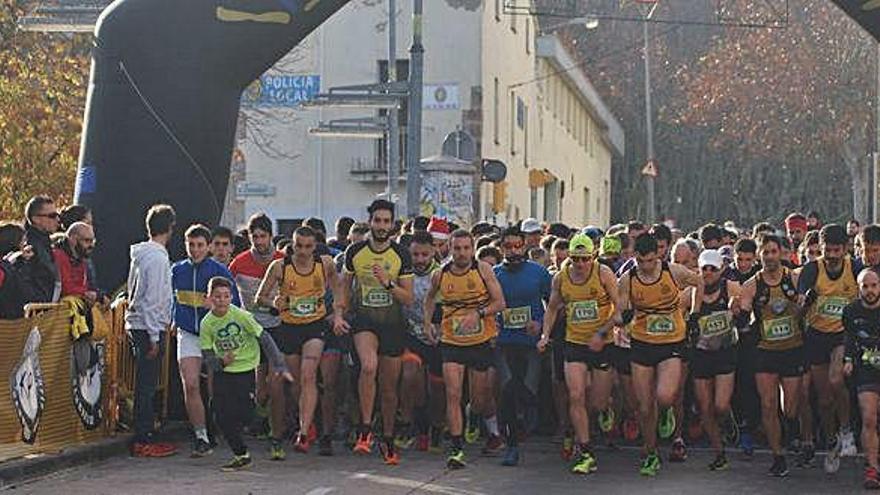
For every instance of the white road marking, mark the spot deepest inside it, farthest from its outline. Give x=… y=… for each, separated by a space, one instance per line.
x=412 y=484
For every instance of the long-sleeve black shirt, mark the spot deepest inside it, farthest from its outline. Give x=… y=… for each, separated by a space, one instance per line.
x=862 y=340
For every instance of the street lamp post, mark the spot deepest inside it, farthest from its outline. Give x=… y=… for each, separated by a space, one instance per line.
x=393 y=129
x=649 y=126
x=414 y=134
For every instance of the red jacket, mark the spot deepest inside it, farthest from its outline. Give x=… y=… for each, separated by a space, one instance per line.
x=71 y=271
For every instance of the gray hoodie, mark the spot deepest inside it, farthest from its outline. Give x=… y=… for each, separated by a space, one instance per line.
x=150 y=296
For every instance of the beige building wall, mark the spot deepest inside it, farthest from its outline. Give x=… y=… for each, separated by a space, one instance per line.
x=543 y=118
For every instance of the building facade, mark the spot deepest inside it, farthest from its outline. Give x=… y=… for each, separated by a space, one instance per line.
x=486 y=72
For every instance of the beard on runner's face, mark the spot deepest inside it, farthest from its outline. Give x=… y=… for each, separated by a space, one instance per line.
x=379 y=235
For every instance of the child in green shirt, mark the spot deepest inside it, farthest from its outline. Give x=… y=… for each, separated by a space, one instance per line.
x=231 y=340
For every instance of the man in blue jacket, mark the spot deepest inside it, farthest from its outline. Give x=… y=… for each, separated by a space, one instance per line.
x=189 y=279
x=526 y=286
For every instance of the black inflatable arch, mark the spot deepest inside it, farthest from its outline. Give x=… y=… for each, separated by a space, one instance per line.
x=162 y=106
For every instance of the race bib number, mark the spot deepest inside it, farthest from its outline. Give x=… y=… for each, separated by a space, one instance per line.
x=778 y=329
x=517 y=318
x=715 y=324
x=660 y=325
x=584 y=312
x=831 y=307
x=375 y=297
x=304 y=306
x=871 y=357
x=458 y=330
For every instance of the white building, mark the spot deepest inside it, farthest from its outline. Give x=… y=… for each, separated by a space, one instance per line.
x=555 y=134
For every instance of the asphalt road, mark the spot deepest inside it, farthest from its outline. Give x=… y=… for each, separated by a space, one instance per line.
x=541 y=472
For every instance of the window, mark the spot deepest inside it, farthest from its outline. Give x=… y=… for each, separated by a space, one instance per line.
x=512 y=21
x=498 y=10
x=551 y=201
x=528 y=35
x=495 y=110
x=525 y=128
x=513 y=117
x=533 y=203
x=586 y=204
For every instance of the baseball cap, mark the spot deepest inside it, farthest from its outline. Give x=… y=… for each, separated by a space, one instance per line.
x=580 y=245
x=610 y=245
x=711 y=257
x=531 y=226
x=592 y=232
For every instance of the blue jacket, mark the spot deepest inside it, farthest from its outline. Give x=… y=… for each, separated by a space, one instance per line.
x=190 y=284
x=524 y=286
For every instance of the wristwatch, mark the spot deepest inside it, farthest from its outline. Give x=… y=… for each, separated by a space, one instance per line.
x=390 y=285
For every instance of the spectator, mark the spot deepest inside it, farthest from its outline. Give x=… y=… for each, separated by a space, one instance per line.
x=149 y=314
x=71 y=256
x=38 y=274
x=533 y=230
x=222 y=240
x=11 y=247
x=75 y=213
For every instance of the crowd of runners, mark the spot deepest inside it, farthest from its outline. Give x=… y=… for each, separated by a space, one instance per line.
x=424 y=335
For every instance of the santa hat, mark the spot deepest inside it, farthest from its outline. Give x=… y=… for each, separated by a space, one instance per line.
x=438 y=228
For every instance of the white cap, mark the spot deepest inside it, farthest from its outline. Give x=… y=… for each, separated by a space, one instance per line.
x=711 y=257
x=531 y=226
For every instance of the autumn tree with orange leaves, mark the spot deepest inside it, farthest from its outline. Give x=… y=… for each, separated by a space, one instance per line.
x=43 y=79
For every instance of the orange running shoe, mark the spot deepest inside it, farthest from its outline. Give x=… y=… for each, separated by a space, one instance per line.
x=364 y=443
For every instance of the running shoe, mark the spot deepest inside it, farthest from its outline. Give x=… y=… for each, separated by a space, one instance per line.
x=847 y=443
x=747 y=444
x=832 y=458
x=201 y=448
x=405 y=439
x=666 y=426
x=607 y=419
x=389 y=453
x=472 y=426
x=325 y=446
x=720 y=463
x=238 y=463
x=494 y=445
x=585 y=463
x=423 y=442
x=455 y=458
x=630 y=429
x=807 y=456
x=511 y=457
x=302 y=444
x=650 y=465
x=567 y=447
x=276 y=450
x=872 y=479
x=144 y=449
x=779 y=468
x=730 y=430
x=363 y=444
x=678 y=452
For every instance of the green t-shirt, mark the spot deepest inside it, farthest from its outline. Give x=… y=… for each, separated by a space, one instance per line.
x=236 y=331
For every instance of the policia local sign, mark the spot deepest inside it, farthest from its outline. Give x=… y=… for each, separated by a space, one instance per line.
x=865 y=12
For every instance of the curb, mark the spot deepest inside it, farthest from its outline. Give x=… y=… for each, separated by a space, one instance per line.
x=17 y=472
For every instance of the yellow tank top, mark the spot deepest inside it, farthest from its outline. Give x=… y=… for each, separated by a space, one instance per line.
x=779 y=324
x=305 y=294
x=459 y=296
x=826 y=314
x=658 y=319
x=587 y=305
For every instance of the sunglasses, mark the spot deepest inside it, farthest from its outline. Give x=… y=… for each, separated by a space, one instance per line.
x=710 y=268
x=579 y=259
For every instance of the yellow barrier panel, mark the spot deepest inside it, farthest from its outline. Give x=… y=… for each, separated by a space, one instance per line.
x=65 y=392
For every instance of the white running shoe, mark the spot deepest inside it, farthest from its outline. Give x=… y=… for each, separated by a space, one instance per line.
x=847 y=443
x=832 y=458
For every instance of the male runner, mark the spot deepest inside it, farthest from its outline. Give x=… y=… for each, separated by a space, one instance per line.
x=649 y=296
x=587 y=292
x=525 y=285
x=381 y=272
x=421 y=360
x=826 y=286
x=189 y=279
x=470 y=297
x=221 y=245
x=771 y=296
x=302 y=280
x=861 y=319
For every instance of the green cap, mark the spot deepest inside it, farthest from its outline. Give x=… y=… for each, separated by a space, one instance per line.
x=610 y=245
x=580 y=245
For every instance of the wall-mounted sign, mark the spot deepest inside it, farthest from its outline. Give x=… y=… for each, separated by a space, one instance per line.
x=281 y=90
x=440 y=97
x=251 y=189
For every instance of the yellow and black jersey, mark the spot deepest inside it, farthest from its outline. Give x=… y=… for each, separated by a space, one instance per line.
x=587 y=306
x=371 y=299
x=658 y=318
x=305 y=293
x=832 y=294
x=775 y=314
x=460 y=295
